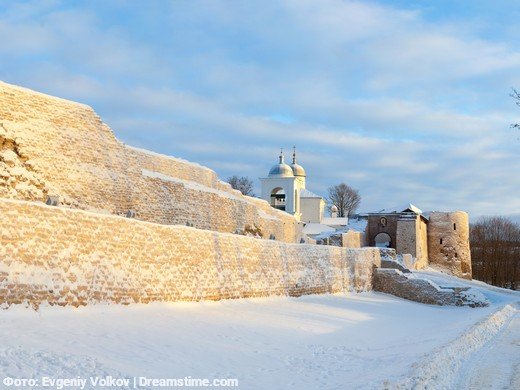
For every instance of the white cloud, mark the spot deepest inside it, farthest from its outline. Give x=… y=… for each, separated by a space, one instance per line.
x=377 y=96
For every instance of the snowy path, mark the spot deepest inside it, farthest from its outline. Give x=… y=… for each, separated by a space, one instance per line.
x=497 y=365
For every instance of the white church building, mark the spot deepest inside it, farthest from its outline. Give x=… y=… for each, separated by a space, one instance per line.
x=284 y=188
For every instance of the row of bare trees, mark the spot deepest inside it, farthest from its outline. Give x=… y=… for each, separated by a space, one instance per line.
x=495 y=252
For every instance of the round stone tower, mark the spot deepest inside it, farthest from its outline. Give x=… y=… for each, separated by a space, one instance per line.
x=448 y=242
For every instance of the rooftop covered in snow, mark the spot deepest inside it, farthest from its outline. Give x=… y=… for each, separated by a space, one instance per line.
x=305 y=193
x=408 y=208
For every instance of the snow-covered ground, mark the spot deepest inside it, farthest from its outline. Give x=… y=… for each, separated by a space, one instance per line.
x=367 y=340
x=498 y=363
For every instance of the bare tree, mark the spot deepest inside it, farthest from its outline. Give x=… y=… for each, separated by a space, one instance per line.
x=495 y=251
x=345 y=198
x=243 y=184
x=516 y=96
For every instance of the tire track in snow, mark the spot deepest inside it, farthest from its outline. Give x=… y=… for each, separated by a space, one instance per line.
x=497 y=365
x=442 y=368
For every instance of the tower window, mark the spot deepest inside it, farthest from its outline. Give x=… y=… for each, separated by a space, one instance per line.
x=454 y=226
x=456 y=255
x=440 y=241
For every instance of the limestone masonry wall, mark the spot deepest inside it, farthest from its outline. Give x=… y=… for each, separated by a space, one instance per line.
x=51 y=146
x=406 y=235
x=407 y=286
x=72 y=257
x=422 y=257
x=448 y=242
x=412 y=238
x=352 y=239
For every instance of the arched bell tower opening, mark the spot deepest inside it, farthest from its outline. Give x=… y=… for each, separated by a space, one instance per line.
x=278 y=200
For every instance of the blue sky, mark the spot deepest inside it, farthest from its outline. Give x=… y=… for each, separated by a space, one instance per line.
x=405 y=100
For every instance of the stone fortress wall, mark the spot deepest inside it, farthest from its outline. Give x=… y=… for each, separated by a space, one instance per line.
x=85 y=250
x=51 y=146
x=72 y=257
x=448 y=242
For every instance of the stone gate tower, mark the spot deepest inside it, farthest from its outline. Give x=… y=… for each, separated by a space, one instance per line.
x=448 y=242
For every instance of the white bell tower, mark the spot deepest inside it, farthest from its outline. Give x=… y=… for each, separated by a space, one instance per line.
x=281 y=188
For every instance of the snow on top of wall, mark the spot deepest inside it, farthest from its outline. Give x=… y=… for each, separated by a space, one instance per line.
x=3 y=84
x=339 y=221
x=399 y=209
x=414 y=276
x=190 y=184
x=357 y=224
x=181 y=160
x=305 y=193
x=326 y=229
x=317 y=228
